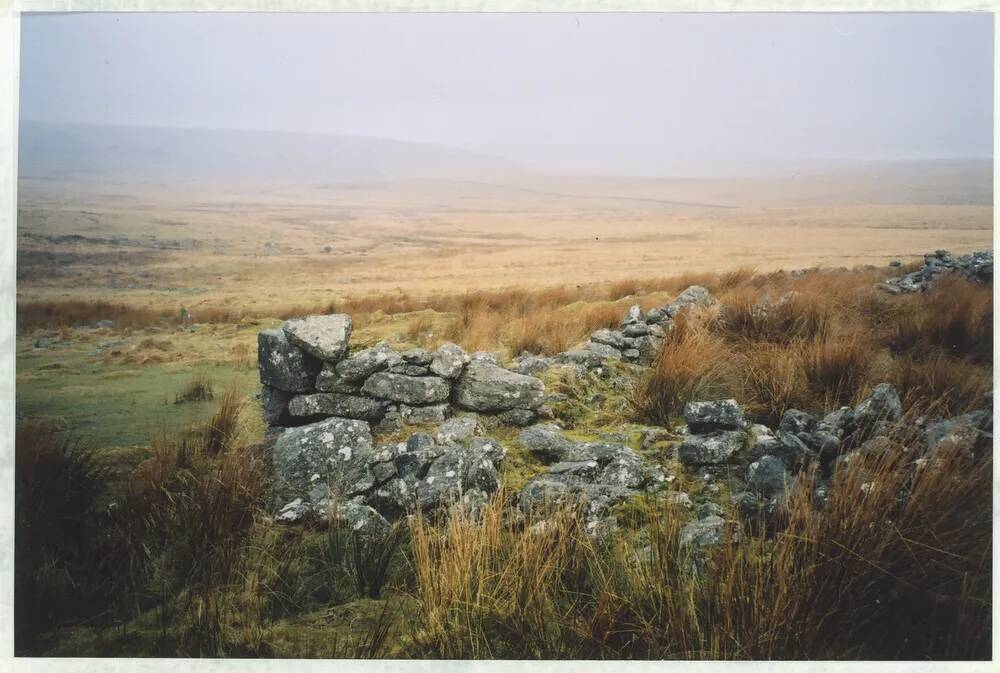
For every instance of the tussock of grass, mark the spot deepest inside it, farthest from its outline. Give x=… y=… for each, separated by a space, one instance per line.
x=198 y=389
x=915 y=570
x=692 y=363
x=823 y=340
x=56 y=484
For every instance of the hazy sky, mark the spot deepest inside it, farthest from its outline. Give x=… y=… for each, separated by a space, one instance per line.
x=639 y=93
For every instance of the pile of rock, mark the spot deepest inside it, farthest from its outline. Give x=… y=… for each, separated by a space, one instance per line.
x=637 y=339
x=308 y=374
x=976 y=267
x=718 y=435
x=594 y=476
x=639 y=336
x=716 y=431
x=334 y=469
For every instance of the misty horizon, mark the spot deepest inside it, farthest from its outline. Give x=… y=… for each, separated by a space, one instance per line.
x=658 y=95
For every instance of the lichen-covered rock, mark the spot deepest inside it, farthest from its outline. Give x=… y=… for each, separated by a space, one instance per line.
x=283 y=365
x=767 y=476
x=547 y=492
x=486 y=387
x=517 y=417
x=587 y=359
x=323 y=336
x=329 y=456
x=746 y=504
x=713 y=415
x=458 y=470
x=695 y=295
x=594 y=477
x=417 y=356
x=976 y=267
x=602 y=452
x=796 y=421
x=836 y=421
x=458 y=429
x=364 y=363
x=360 y=520
x=546 y=442
x=604 y=350
x=762 y=441
x=880 y=409
x=274 y=405
x=415 y=390
x=433 y=413
x=391 y=422
x=529 y=365
x=293 y=512
x=588 y=470
x=337 y=404
x=448 y=361
x=793 y=452
x=626 y=470
x=383 y=472
x=640 y=329
x=484 y=357
x=329 y=381
x=613 y=338
x=414 y=457
x=710 y=531
x=973 y=429
x=715 y=448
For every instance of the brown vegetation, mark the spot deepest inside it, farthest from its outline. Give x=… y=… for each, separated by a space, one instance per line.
x=198 y=389
x=825 y=340
x=914 y=570
x=186 y=558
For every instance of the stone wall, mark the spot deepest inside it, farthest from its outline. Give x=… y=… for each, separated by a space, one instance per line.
x=308 y=373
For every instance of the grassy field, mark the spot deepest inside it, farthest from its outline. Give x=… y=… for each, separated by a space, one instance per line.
x=185 y=561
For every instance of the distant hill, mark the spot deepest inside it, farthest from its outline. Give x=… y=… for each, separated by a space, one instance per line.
x=83 y=152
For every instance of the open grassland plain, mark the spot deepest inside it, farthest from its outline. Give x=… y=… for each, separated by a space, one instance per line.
x=262 y=251
x=145 y=522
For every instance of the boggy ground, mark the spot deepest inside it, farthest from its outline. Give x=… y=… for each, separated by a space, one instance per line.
x=163 y=546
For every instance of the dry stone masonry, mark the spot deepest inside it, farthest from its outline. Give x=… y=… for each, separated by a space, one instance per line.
x=327 y=406
x=307 y=374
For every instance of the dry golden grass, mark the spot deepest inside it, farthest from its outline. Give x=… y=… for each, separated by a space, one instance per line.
x=872 y=575
x=823 y=340
x=691 y=364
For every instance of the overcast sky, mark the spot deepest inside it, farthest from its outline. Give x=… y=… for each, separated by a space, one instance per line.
x=639 y=93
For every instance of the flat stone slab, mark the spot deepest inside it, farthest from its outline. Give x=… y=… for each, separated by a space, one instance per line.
x=416 y=390
x=323 y=336
x=487 y=387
